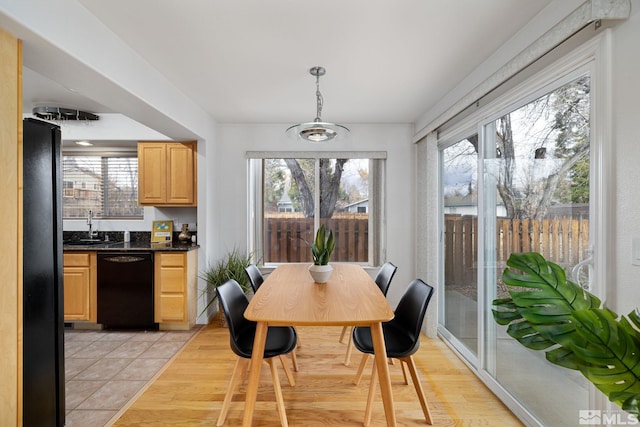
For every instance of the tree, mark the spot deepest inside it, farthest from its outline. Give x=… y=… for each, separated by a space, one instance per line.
x=541 y=145
x=330 y=176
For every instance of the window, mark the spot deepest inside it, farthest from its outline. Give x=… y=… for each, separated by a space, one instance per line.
x=107 y=186
x=294 y=195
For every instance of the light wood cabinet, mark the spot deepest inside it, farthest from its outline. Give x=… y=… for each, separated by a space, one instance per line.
x=80 y=286
x=175 y=282
x=167 y=173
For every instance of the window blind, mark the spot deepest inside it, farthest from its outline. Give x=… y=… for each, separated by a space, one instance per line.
x=105 y=185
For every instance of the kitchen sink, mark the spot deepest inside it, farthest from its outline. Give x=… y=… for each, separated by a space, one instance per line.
x=85 y=242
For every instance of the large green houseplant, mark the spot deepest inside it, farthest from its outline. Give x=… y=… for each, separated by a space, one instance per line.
x=321 y=250
x=231 y=266
x=545 y=311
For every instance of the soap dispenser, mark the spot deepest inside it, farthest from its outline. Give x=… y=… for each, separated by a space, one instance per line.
x=127 y=236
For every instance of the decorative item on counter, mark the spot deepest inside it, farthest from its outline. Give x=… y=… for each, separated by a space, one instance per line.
x=162 y=231
x=185 y=235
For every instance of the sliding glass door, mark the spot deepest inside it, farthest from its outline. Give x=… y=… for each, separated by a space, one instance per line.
x=521 y=183
x=536 y=195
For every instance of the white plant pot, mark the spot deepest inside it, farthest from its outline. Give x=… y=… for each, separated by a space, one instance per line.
x=320 y=273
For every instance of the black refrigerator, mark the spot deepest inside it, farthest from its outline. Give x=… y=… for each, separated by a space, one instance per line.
x=43 y=298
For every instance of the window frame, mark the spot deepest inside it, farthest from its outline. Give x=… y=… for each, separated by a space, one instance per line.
x=377 y=221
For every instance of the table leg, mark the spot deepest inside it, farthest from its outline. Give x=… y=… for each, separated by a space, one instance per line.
x=254 y=373
x=383 y=373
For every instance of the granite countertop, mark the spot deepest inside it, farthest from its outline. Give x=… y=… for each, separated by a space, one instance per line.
x=131 y=246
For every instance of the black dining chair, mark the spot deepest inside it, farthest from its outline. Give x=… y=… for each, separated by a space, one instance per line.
x=255 y=276
x=256 y=279
x=383 y=280
x=402 y=340
x=280 y=341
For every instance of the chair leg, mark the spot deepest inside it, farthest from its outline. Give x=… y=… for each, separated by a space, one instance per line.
x=363 y=363
x=372 y=392
x=278 y=393
x=239 y=370
x=287 y=372
x=294 y=359
x=347 y=357
x=404 y=373
x=419 y=391
x=344 y=332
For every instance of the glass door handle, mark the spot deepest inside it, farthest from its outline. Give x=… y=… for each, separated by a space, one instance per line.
x=575 y=271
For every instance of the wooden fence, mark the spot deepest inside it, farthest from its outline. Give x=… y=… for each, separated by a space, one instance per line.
x=288 y=238
x=562 y=239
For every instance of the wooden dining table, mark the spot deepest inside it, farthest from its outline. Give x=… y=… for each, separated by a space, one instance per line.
x=290 y=297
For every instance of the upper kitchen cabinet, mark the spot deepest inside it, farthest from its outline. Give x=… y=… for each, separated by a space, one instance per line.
x=167 y=173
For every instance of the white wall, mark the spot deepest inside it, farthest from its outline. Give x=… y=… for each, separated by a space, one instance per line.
x=228 y=212
x=624 y=295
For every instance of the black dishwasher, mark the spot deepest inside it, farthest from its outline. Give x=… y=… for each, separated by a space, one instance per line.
x=125 y=290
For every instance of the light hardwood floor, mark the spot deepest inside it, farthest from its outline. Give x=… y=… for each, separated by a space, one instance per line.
x=189 y=392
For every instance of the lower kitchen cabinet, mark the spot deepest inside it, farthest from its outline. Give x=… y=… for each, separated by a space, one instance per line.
x=80 y=290
x=175 y=283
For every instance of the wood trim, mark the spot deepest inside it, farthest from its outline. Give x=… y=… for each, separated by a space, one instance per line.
x=11 y=214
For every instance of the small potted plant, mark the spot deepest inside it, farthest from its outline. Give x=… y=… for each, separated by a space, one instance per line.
x=321 y=250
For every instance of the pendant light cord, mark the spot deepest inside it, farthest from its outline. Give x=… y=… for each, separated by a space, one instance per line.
x=319 y=100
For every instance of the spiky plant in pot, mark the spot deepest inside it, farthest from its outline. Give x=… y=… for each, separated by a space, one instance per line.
x=322 y=248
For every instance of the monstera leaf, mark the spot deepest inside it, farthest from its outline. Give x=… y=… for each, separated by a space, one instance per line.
x=611 y=355
x=542 y=301
x=547 y=312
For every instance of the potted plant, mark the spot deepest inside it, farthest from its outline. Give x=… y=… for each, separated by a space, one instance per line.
x=547 y=312
x=231 y=266
x=321 y=249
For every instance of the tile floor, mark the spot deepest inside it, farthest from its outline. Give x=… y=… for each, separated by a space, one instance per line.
x=105 y=369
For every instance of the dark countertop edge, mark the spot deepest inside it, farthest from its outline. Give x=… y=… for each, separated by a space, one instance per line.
x=133 y=246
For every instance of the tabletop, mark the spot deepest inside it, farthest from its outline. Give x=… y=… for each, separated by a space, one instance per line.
x=289 y=296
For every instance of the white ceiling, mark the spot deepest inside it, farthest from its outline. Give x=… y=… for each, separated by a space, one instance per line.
x=387 y=61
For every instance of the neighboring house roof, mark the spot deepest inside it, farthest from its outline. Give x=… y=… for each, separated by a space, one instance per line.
x=359 y=202
x=285 y=199
x=470 y=199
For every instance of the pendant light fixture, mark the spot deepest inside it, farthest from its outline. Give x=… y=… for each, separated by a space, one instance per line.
x=60 y=114
x=317 y=130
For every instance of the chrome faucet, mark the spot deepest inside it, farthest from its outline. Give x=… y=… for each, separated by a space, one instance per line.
x=92 y=233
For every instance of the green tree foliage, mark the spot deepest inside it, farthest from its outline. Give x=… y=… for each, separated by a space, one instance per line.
x=579 y=188
x=274 y=184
